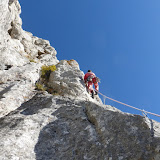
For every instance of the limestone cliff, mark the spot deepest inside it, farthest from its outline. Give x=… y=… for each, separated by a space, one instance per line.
x=21 y=57
x=60 y=121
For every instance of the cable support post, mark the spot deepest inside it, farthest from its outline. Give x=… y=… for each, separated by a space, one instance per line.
x=144 y=113
x=104 y=100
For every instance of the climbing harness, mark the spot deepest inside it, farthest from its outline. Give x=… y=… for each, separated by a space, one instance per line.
x=89 y=79
x=143 y=111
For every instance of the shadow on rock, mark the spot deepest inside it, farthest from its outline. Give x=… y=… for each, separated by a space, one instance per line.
x=70 y=136
x=38 y=102
x=7 y=89
x=88 y=131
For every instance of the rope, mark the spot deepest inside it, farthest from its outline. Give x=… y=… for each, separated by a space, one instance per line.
x=143 y=111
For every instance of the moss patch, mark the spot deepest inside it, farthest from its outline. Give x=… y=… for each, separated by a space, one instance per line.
x=40 y=87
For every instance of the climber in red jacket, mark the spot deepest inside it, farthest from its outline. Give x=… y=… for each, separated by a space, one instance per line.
x=90 y=79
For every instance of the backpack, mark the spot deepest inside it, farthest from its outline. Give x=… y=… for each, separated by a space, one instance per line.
x=97 y=79
x=89 y=79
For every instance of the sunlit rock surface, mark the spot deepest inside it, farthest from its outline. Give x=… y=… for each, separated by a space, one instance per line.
x=56 y=127
x=65 y=123
x=21 y=58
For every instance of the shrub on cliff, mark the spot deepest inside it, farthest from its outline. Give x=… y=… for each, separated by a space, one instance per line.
x=45 y=73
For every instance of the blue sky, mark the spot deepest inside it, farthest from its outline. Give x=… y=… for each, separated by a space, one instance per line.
x=119 y=40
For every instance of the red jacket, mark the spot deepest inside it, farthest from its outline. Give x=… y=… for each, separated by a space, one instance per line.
x=89 y=74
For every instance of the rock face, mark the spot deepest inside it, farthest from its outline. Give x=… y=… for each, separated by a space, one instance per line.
x=55 y=127
x=17 y=46
x=67 y=80
x=21 y=58
x=63 y=122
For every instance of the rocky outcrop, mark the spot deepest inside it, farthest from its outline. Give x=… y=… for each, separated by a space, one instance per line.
x=67 y=80
x=21 y=58
x=62 y=121
x=55 y=127
x=17 y=46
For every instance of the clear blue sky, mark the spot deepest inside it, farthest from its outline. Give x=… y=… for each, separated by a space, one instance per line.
x=119 y=40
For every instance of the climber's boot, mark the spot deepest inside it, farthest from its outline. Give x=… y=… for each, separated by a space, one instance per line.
x=92 y=94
